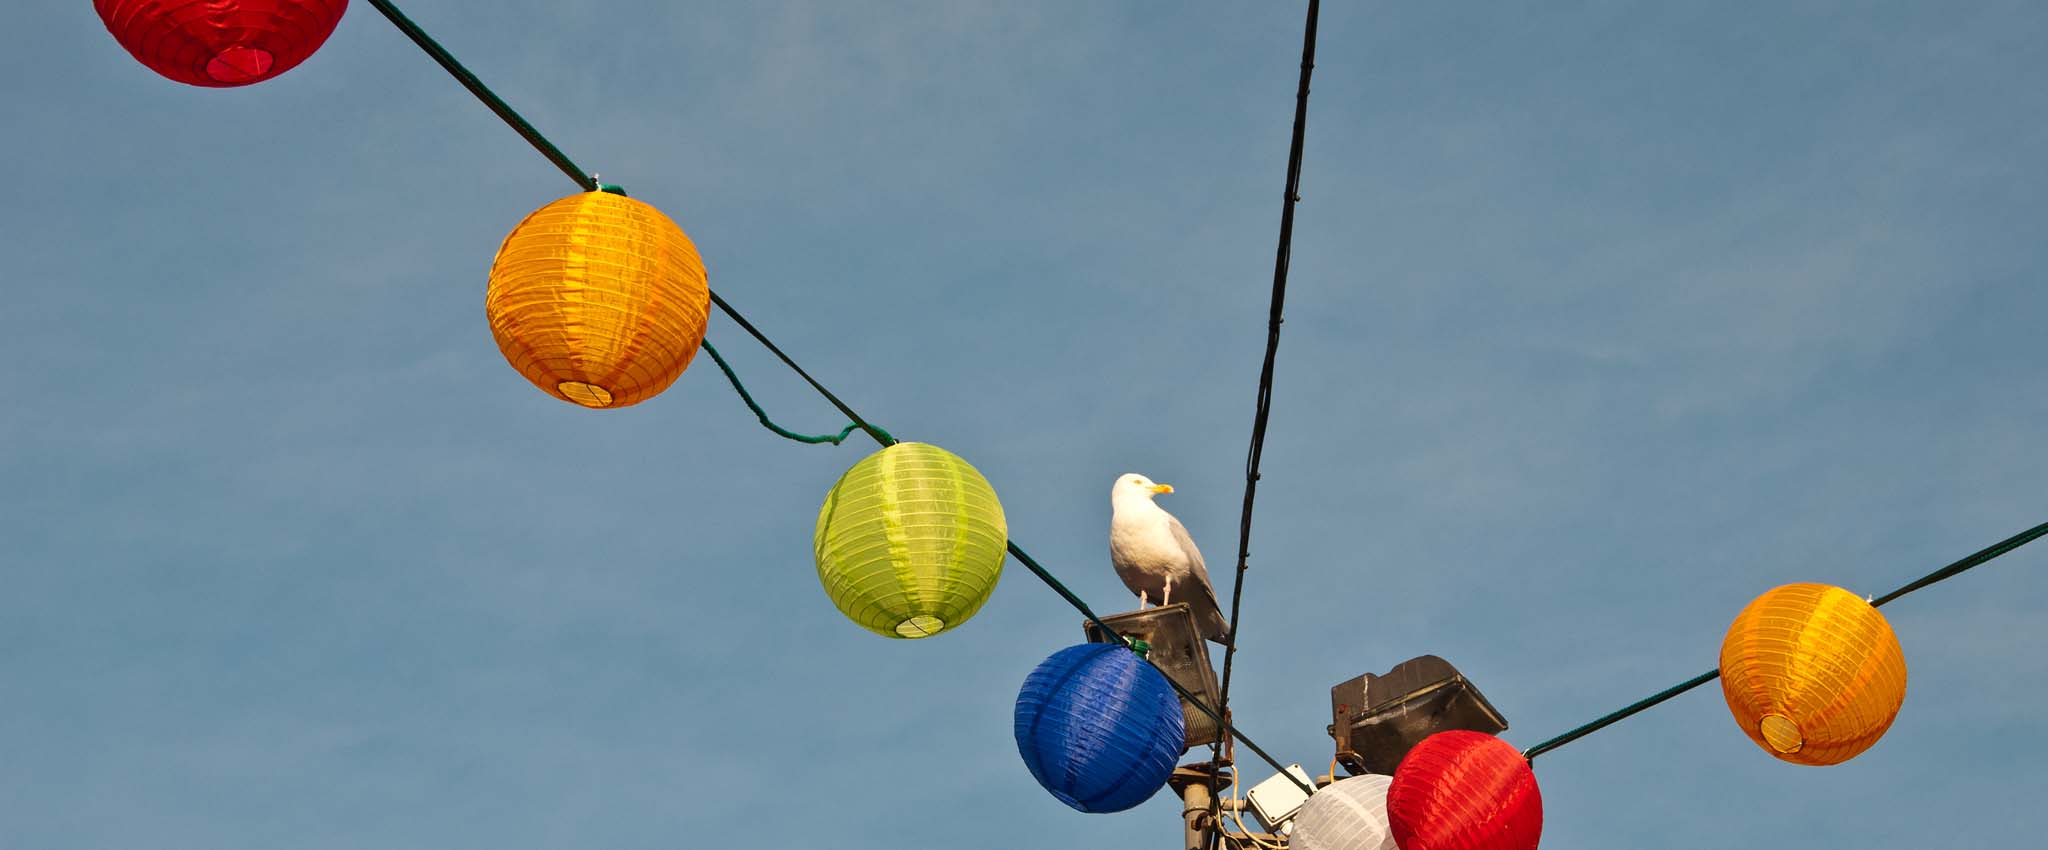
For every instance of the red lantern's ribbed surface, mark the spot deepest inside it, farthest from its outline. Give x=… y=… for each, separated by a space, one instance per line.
x=219 y=43
x=1462 y=790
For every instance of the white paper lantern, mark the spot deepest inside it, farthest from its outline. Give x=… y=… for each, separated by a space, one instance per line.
x=1348 y=815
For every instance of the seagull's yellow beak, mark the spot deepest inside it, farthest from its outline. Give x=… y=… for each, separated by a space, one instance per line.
x=1162 y=488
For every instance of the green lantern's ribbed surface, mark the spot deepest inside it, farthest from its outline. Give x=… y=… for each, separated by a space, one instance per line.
x=910 y=542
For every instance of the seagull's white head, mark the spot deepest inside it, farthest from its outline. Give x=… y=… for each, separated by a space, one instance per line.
x=1132 y=485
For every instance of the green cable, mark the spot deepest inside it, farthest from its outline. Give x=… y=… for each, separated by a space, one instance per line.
x=554 y=154
x=834 y=439
x=1987 y=553
x=490 y=98
x=589 y=183
x=1618 y=716
x=1952 y=570
x=881 y=436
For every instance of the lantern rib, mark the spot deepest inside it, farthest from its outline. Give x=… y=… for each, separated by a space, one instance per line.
x=1952 y=570
x=561 y=160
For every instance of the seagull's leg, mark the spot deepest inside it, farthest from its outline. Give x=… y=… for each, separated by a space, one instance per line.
x=1167 y=593
x=1141 y=600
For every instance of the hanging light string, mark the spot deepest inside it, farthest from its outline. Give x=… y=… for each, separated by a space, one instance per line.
x=1264 y=407
x=834 y=439
x=589 y=183
x=483 y=93
x=875 y=431
x=1943 y=574
x=1951 y=571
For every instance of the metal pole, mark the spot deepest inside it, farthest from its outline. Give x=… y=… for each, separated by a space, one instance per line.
x=1194 y=811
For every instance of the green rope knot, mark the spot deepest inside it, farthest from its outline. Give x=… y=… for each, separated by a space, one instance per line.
x=1140 y=647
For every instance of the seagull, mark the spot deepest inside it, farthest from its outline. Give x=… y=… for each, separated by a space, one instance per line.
x=1153 y=554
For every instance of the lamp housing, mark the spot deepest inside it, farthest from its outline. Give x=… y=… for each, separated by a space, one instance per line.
x=1376 y=720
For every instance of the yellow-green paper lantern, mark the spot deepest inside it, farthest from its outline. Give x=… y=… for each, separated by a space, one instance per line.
x=910 y=542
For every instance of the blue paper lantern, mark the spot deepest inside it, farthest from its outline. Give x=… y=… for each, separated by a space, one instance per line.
x=1099 y=727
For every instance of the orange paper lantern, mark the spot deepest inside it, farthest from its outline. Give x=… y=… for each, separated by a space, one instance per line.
x=598 y=299
x=1812 y=673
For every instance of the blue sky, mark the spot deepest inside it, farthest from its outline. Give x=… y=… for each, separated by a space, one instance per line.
x=1604 y=319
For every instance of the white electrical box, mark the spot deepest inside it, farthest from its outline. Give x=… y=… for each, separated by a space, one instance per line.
x=1275 y=800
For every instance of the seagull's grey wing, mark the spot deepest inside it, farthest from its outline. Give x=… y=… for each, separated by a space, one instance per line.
x=1209 y=616
x=1187 y=547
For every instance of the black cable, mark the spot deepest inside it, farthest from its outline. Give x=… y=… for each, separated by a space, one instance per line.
x=1283 y=255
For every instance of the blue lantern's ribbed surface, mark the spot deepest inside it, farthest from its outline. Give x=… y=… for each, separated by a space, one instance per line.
x=1099 y=727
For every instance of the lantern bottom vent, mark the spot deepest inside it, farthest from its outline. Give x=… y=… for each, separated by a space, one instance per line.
x=1781 y=733
x=238 y=65
x=920 y=626
x=588 y=395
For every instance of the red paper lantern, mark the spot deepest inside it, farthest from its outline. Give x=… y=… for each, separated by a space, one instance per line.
x=1462 y=790
x=220 y=43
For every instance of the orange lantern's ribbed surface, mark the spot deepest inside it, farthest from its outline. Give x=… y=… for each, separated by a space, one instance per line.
x=598 y=299
x=1812 y=673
